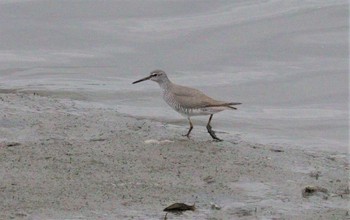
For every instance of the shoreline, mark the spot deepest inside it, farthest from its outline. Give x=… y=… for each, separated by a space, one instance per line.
x=180 y=122
x=62 y=160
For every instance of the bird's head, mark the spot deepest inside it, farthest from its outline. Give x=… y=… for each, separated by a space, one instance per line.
x=158 y=76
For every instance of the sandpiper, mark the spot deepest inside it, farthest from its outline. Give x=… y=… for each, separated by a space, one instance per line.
x=188 y=101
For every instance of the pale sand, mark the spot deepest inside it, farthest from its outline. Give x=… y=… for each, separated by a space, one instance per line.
x=60 y=159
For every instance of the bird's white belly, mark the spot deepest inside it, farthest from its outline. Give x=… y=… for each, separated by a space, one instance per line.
x=193 y=111
x=187 y=112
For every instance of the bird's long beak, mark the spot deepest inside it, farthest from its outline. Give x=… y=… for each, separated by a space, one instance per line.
x=143 y=79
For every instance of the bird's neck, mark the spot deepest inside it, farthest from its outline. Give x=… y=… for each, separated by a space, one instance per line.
x=165 y=84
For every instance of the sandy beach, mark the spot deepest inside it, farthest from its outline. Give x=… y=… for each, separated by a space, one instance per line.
x=62 y=159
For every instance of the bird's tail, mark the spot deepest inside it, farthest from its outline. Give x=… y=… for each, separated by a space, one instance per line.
x=229 y=105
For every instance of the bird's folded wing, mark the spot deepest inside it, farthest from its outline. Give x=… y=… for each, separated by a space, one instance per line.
x=193 y=98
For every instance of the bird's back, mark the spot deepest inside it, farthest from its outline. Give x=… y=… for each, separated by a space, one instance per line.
x=187 y=97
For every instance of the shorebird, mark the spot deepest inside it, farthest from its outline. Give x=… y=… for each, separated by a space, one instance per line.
x=188 y=101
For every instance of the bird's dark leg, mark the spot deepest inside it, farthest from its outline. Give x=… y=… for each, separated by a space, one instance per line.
x=210 y=131
x=189 y=130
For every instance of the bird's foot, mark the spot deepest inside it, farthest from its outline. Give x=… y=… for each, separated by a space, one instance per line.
x=212 y=134
x=186 y=135
x=189 y=131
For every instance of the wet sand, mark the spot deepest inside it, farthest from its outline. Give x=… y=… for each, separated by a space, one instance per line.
x=64 y=159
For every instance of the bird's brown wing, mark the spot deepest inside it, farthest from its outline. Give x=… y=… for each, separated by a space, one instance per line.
x=193 y=98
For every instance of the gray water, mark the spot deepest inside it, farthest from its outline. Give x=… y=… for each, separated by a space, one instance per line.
x=285 y=60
